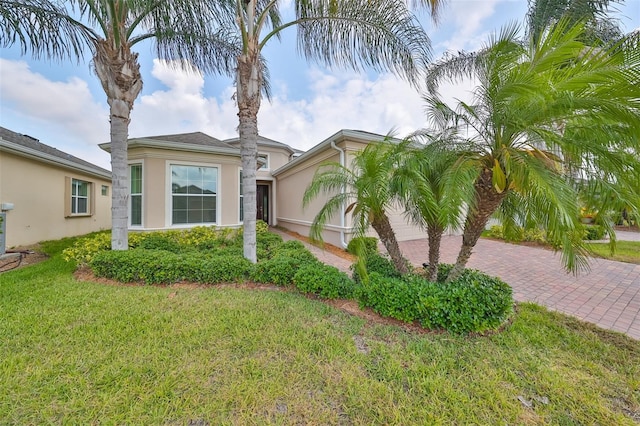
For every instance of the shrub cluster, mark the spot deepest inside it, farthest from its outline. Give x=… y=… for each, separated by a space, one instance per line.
x=519 y=234
x=283 y=264
x=475 y=302
x=594 y=232
x=165 y=267
x=375 y=262
x=324 y=280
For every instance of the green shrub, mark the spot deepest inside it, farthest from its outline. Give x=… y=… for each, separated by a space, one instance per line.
x=392 y=297
x=368 y=244
x=216 y=269
x=262 y=227
x=473 y=303
x=266 y=245
x=379 y=264
x=164 y=267
x=324 y=280
x=84 y=249
x=138 y=265
x=278 y=270
x=594 y=232
x=160 y=241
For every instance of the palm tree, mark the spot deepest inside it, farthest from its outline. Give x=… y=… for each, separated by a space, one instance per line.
x=540 y=109
x=433 y=185
x=357 y=34
x=600 y=27
x=108 y=30
x=366 y=187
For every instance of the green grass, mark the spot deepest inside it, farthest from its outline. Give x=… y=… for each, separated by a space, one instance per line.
x=85 y=353
x=626 y=251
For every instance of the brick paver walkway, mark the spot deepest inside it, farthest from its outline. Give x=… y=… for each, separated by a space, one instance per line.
x=609 y=295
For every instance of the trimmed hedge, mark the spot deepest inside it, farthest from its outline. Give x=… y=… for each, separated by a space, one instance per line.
x=474 y=303
x=324 y=280
x=280 y=269
x=164 y=267
x=375 y=262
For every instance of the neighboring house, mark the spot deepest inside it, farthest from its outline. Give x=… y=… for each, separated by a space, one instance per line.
x=49 y=194
x=184 y=180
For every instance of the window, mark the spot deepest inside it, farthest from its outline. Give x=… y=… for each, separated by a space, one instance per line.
x=193 y=194
x=241 y=199
x=105 y=190
x=80 y=197
x=264 y=158
x=135 y=194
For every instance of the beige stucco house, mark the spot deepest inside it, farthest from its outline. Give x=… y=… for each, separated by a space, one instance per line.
x=185 y=180
x=48 y=194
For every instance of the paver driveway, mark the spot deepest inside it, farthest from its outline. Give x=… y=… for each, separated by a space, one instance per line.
x=609 y=295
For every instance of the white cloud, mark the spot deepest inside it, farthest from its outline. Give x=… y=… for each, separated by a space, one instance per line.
x=468 y=18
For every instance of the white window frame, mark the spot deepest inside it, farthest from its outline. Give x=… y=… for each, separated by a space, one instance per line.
x=169 y=194
x=129 y=204
x=266 y=166
x=75 y=183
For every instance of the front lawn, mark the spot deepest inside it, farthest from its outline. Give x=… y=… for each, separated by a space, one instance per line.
x=626 y=251
x=87 y=353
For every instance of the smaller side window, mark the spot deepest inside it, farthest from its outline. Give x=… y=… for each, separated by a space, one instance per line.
x=105 y=190
x=264 y=159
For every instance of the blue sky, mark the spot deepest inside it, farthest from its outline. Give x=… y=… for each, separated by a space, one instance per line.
x=63 y=105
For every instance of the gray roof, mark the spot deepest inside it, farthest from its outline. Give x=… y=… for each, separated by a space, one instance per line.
x=195 y=138
x=266 y=142
x=193 y=142
x=32 y=147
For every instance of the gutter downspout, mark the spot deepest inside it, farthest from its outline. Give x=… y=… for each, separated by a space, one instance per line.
x=342 y=219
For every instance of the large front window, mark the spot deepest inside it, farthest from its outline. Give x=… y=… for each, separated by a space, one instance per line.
x=135 y=185
x=194 y=192
x=79 y=196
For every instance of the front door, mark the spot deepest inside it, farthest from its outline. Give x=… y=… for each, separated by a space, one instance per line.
x=262 y=203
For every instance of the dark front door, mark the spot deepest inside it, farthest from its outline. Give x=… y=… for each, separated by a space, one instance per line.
x=262 y=202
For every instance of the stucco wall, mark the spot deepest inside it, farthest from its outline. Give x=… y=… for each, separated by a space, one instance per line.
x=37 y=191
x=157 y=182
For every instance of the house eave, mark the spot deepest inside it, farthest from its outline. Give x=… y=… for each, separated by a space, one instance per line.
x=341 y=135
x=33 y=154
x=153 y=143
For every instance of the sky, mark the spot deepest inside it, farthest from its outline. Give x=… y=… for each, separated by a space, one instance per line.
x=63 y=105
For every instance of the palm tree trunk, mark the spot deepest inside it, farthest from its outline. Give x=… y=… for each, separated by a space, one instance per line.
x=487 y=201
x=434 y=235
x=119 y=73
x=248 y=96
x=119 y=175
x=388 y=237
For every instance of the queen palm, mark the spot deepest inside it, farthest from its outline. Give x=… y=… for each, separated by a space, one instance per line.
x=107 y=30
x=540 y=109
x=365 y=187
x=356 y=34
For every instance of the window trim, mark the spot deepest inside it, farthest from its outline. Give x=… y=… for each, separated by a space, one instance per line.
x=142 y=197
x=168 y=216
x=68 y=197
x=267 y=166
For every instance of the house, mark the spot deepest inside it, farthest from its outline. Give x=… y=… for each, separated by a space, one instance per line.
x=48 y=194
x=190 y=179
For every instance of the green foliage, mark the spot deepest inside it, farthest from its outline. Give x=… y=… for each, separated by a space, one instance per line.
x=138 y=265
x=166 y=241
x=392 y=297
x=262 y=227
x=518 y=234
x=83 y=250
x=594 y=232
x=368 y=244
x=475 y=302
x=324 y=280
x=280 y=269
x=379 y=264
x=164 y=267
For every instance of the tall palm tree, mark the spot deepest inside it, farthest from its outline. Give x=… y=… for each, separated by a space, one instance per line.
x=366 y=186
x=107 y=30
x=356 y=34
x=540 y=109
